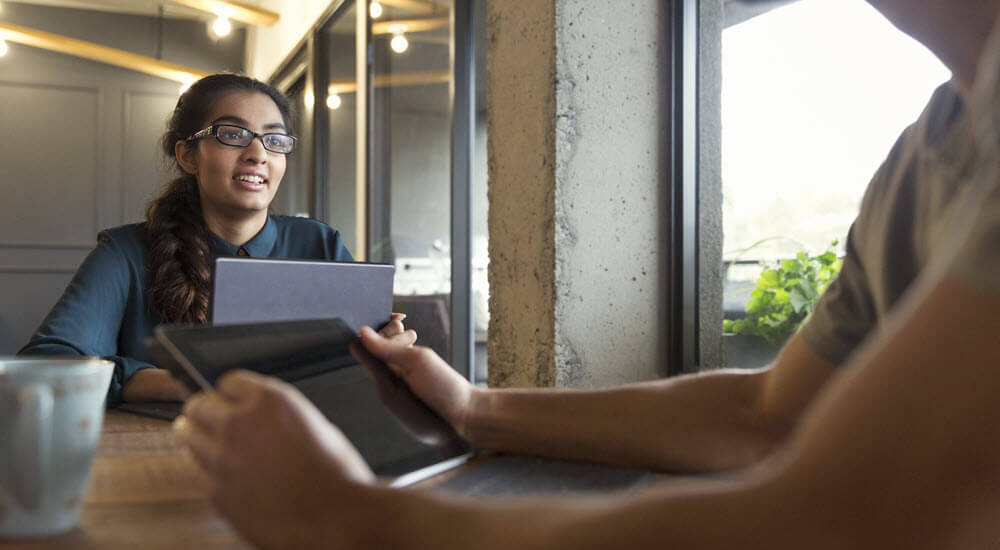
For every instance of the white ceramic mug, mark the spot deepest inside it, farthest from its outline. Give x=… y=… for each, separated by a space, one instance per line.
x=51 y=411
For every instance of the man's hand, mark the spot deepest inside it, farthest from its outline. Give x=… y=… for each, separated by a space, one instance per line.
x=275 y=465
x=430 y=378
x=396 y=333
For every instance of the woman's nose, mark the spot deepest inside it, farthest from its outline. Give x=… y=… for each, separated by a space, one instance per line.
x=255 y=152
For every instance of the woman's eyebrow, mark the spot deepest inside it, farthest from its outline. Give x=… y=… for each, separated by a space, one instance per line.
x=230 y=118
x=244 y=122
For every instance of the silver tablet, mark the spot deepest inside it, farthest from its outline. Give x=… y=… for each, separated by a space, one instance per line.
x=251 y=290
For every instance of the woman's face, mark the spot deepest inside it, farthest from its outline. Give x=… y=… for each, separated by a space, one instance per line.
x=238 y=181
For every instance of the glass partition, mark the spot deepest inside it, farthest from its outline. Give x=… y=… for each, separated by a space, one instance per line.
x=411 y=160
x=342 y=197
x=293 y=196
x=390 y=155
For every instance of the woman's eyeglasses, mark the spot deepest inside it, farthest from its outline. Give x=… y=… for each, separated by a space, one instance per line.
x=237 y=136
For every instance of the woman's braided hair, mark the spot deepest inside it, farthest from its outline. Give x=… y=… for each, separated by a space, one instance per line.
x=179 y=265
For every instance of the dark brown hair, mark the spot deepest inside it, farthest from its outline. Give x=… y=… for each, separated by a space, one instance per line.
x=179 y=264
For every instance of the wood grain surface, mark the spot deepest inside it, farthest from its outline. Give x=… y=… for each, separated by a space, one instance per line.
x=145 y=492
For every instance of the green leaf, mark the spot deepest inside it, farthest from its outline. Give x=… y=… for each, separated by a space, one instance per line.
x=769 y=279
x=785 y=294
x=798 y=301
x=792 y=266
x=808 y=290
x=780 y=296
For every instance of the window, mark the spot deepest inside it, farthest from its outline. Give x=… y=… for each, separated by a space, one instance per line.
x=814 y=94
x=392 y=111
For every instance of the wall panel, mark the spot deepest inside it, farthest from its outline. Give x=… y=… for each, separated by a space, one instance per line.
x=144 y=167
x=52 y=163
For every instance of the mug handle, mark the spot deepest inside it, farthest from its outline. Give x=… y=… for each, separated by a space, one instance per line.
x=33 y=438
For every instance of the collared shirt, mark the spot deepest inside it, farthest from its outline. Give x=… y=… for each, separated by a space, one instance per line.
x=105 y=310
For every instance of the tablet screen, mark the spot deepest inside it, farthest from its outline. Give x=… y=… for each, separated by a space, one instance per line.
x=394 y=431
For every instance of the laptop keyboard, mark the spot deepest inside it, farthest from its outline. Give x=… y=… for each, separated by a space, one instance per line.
x=523 y=475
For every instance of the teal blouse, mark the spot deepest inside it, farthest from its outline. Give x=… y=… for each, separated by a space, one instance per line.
x=105 y=311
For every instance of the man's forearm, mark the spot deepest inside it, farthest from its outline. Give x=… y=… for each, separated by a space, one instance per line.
x=695 y=423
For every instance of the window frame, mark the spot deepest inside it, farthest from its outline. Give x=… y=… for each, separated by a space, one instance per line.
x=680 y=109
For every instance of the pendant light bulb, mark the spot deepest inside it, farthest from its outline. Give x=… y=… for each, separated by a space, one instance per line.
x=399 y=43
x=221 y=27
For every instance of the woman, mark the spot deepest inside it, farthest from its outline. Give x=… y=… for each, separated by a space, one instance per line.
x=229 y=136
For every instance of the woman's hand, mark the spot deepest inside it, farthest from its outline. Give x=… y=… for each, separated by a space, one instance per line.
x=154 y=385
x=396 y=333
x=275 y=464
x=430 y=378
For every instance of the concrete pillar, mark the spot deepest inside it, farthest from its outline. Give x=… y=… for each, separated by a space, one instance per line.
x=576 y=223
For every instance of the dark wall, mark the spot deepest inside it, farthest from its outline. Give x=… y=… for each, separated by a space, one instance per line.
x=80 y=151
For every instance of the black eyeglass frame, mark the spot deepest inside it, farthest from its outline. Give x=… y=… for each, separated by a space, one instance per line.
x=213 y=131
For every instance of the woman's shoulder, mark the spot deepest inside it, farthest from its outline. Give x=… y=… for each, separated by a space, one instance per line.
x=118 y=249
x=129 y=238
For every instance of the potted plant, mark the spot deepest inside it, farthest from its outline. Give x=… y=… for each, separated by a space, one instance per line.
x=784 y=296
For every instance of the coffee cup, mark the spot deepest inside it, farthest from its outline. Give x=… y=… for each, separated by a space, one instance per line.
x=51 y=411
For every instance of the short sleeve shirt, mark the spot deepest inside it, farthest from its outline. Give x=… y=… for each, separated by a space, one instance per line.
x=908 y=212
x=972 y=250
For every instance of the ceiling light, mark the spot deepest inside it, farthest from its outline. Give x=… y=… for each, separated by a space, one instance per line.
x=333 y=101
x=375 y=10
x=222 y=26
x=399 y=43
x=3 y=48
x=308 y=99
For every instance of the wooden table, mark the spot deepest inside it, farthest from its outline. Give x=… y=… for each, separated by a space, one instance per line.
x=144 y=493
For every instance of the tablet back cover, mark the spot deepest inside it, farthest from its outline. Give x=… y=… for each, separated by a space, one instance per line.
x=252 y=290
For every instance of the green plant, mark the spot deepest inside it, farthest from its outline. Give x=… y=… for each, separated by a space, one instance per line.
x=785 y=295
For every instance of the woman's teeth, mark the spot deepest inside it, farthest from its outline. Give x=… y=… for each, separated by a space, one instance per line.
x=251 y=179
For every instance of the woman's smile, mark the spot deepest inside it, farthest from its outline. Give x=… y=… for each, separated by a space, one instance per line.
x=251 y=181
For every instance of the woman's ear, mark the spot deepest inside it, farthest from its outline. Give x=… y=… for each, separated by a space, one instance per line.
x=186 y=157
